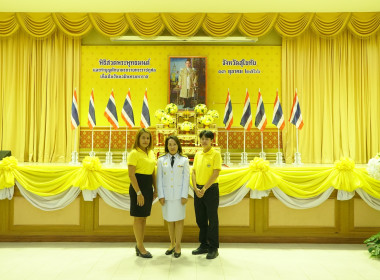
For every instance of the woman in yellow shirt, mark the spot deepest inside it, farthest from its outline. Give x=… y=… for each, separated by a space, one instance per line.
x=141 y=166
x=206 y=168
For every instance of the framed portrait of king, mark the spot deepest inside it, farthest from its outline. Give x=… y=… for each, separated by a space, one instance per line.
x=187 y=81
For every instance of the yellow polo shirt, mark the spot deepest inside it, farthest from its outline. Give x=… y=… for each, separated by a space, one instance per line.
x=205 y=163
x=145 y=163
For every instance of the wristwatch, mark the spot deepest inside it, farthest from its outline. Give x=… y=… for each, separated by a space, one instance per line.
x=139 y=193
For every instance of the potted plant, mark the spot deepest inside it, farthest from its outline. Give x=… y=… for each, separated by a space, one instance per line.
x=373 y=245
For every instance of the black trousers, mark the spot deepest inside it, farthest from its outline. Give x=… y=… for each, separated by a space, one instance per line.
x=206 y=214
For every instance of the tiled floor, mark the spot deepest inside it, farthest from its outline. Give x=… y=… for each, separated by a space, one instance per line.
x=63 y=261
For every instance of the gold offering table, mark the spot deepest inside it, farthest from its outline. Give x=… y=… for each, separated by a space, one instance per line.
x=189 y=138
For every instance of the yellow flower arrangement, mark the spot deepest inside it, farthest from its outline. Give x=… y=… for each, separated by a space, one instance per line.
x=207 y=120
x=159 y=113
x=167 y=119
x=213 y=113
x=187 y=126
x=171 y=109
x=92 y=163
x=200 y=109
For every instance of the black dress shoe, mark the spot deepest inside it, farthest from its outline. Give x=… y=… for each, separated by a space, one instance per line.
x=200 y=250
x=212 y=254
x=147 y=255
x=169 y=252
x=177 y=255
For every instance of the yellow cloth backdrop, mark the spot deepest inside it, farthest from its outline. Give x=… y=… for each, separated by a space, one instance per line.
x=303 y=182
x=339 y=93
x=186 y=25
x=37 y=79
x=333 y=60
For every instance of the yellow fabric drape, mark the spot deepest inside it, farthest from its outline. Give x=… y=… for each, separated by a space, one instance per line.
x=220 y=25
x=339 y=94
x=329 y=24
x=255 y=25
x=186 y=25
x=364 y=24
x=292 y=25
x=146 y=25
x=75 y=25
x=303 y=182
x=38 y=25
x=8 y=24
x=37 y=79
x=109 y=24
x=183 y=25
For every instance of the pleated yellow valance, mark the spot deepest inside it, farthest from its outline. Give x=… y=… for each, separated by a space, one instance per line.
x=41 y=25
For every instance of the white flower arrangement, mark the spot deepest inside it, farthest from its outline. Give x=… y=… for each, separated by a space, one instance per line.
x=213 y=113
x=187 y=126
x=159 y=113
x=167 y=119
x=373 y=167
x=200 y=109
x=171 y=109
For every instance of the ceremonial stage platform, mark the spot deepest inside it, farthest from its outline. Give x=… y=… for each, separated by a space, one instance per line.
x=258 y=203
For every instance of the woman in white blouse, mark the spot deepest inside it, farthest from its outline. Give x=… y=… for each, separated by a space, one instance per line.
x=173 y=180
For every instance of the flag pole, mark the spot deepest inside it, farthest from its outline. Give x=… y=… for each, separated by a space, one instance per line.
x=75 y=140
x=92 y=140
x=126 y=138
x=109 y=146
x=278 y=138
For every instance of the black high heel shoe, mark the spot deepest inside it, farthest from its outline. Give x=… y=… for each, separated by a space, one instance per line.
x=169 y=252
x=147 y=255
x=177 y=255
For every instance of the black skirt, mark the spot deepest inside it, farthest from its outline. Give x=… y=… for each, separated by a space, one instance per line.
x=146 y=187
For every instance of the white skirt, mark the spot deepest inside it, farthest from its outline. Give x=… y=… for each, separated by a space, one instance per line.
x=173 y=210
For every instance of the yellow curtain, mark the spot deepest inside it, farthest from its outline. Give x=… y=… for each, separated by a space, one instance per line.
x=339 y=94
x=183 y=25
x=220 y=25
x=36 y=87
x=109 y=24
x=255 y=25
x=146 y=25
x=186 y=25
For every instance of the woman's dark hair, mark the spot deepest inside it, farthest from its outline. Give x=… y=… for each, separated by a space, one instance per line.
x=175 y=138
x=207 y=134
x=137 y=139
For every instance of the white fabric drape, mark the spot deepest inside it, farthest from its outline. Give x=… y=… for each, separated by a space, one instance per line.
x=122 y=201
x=50 y=203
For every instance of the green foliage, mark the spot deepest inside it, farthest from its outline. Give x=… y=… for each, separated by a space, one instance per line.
x=373 y=245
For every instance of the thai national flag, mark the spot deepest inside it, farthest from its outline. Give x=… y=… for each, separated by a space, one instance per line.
x=127 y=111
x=261 y=118
x=145 y=117
x=278 y=116
x=246 y=119
x=295 y=115
x=91 y=111
x=228 y=116
x=111 y=113
x=74 y=111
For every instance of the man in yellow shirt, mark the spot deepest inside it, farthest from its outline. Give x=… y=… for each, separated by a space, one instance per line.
x=206 y=168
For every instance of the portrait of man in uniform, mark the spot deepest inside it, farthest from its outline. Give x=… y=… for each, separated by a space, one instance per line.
x=187 y=80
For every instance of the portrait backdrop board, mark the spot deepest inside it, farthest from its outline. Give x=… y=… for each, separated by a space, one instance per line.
x=139 y=67
x=187 y=81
